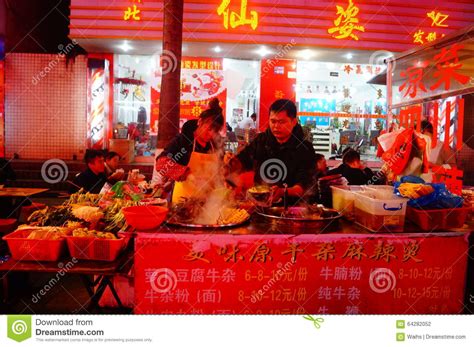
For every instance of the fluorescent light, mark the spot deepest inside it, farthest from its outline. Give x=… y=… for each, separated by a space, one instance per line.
x=349 y=56
x=263 y=51
x=217 y=49
x=125 y=46
x=306 y=54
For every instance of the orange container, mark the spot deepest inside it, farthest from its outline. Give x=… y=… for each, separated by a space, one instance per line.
x=22 y=248
x=92 y=248
x=145 y=217
x=429 y=220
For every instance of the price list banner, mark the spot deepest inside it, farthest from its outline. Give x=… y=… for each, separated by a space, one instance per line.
x=287 y=274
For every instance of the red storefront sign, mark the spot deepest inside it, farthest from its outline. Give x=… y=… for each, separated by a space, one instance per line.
x=287 y=274
x=277 y=81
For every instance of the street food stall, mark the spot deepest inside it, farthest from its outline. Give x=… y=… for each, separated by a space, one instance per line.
x=220 y=248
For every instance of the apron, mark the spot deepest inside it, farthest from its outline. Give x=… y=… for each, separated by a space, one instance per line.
x=203 y=168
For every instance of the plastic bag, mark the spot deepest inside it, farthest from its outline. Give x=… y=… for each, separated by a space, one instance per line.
x=440 y=198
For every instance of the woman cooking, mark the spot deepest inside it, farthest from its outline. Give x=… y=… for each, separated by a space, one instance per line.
x=191 y=159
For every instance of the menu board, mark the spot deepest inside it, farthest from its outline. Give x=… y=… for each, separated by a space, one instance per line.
x=287 y=274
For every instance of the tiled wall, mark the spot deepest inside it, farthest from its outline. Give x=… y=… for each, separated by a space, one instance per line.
x=45 y=106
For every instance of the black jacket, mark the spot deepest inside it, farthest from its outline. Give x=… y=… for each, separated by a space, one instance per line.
x=297 y=156
x=89 y=181
x=355 y=176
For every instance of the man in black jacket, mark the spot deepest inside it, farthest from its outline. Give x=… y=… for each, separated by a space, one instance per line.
x=280 y=155
x=93 y=178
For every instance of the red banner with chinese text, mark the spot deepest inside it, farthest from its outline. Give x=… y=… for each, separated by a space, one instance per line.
x=287 y=274
x=202 y=79
x=277 y=81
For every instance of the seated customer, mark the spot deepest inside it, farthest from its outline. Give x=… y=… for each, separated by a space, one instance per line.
x=112 y=171
x=321 y=166
x=93 y=178
x=353 y=171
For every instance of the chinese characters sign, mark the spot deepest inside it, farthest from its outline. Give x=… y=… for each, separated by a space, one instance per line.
x=346 y=23
x=434 y=71
x=236 y=19
x=438 y=20
x=132 y=13
x=284 y=274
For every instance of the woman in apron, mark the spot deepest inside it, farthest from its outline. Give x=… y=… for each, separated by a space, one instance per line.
x=191 y=159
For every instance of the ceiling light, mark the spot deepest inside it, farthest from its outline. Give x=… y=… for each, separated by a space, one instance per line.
x=306 y=54
x=263 y=51
x=217 y=49
x=349 y=56
x=125 y=46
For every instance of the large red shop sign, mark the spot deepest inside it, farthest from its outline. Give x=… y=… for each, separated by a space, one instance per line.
x=285 y=274
x=434 y=72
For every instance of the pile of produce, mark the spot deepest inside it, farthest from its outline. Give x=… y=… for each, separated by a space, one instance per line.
x=84 y=232
x=82 y=210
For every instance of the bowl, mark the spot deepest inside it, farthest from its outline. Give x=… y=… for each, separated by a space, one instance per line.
x=145 y=217
x=261 y=195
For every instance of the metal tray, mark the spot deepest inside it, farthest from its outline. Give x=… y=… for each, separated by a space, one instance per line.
x=274 y=215
x=176 y=223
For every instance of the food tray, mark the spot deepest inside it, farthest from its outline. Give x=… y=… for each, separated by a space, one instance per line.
x=22 y=248
x=176 y=223
x=447 y=218
x=93 y=248
x=274 y=215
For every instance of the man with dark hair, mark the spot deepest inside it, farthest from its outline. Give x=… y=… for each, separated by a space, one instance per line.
x=353 y=170
x=93 y=178
x=112 y=171
x=280 y=155
x=249 y=122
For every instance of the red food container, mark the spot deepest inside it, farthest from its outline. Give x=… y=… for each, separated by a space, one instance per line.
x=429 y=220
x=93 y=248
x=25 y=249
x=145 y=217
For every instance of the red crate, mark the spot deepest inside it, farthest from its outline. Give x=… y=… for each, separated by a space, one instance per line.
x=438 y=219
x=22 y=248
x=92 y=248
